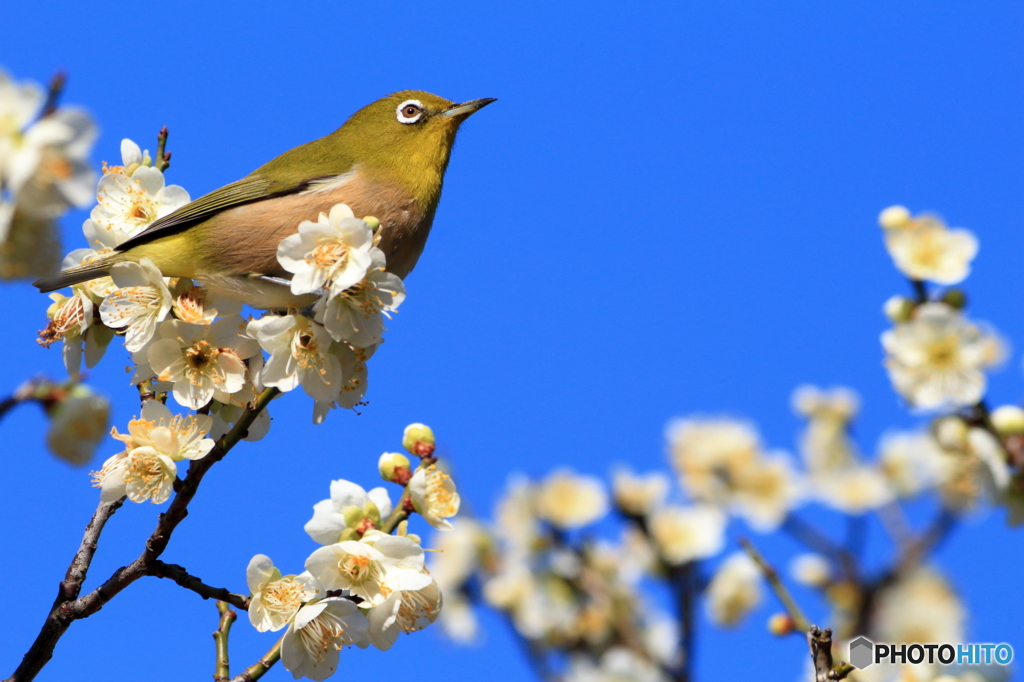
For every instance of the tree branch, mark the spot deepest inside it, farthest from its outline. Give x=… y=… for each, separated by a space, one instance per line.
x=68 y=610
x=180 y=575
x=260 y=667
x=222 y=671
x=820 y=643
x=800 y=621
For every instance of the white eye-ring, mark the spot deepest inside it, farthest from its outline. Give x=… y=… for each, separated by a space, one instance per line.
x=409 y=111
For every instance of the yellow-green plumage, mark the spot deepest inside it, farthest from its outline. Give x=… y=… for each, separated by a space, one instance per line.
x=375 y=163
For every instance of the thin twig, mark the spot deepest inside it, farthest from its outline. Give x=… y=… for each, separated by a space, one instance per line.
x=66 y=611
x=222 y=670
x=53 y=93
x=818 y=541
x=260 y=667
x=180 y=575
x=800 y=621
x=163 y=157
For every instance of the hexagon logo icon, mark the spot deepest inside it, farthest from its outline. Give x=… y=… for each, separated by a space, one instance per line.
x=861 y=653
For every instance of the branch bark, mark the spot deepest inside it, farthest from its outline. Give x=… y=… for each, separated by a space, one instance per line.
x=66 y=610
x=180 y=575
x=222 y=671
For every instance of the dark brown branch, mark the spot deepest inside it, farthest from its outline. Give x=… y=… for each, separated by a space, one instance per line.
x=820 y=643
x=222 y=671
x=178 y=574
x=66 y=611
x=53 y=93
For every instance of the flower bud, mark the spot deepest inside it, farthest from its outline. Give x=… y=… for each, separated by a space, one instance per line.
x=950 y=433
x=373 y=222
x=348 y=534
x=780 y=624
x=394 y=467
x=1008 y=420
x=418 y=439
x=353 y=516
x=898 y=309
x=372 y=513
x=955 y=298
x=894 y=218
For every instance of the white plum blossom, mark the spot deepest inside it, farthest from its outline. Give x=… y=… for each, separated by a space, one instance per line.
x=146 y=468
x=684 y=534
x=318 y=632
x=363 y=567
x=300 y=353
x=811 y=570
x=73 y=321
x=353 y=389
x=913 y=462
x=200 y=361
x=568 y=500
x=709 y=453
x=140 y=302
x=734 y=590
x=407 y=609
x=329 y=521
x=937 y=359
x=128 y=204
x=434 y=497
x=923 y=248
x=356 y=315
x=335 y=249
x=275 y=598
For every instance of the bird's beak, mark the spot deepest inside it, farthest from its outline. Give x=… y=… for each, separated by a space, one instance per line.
x=467 y=108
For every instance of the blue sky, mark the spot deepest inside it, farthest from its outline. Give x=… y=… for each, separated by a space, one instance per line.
x=671 y=209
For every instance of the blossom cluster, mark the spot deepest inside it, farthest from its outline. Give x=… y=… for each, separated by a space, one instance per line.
x=583 y=600
x=364 y=585
x=44 y=171
x=195 y=346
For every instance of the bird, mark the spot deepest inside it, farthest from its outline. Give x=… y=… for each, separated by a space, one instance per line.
x=387 y=160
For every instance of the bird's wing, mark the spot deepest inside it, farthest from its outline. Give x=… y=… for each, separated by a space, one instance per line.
x=246 y=191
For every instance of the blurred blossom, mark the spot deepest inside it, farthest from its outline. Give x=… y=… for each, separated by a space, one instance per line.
x=937 y=359
x=616 y=664
x=515 y=515
x=30 y=246
x=924 y=249
x=709 y=454
x=638 y=495
x=811 y=570
x=855 y=489
x=734 y=591
x=685 y=534
x=978 y=471
x=568 y=500
x=78 y=424
x=912 y=462
x=629 y=560
x=825 y=443
x=766 y=491
x=457 y=553
x=1008 y=420
x=275 y=599
x=920 y=607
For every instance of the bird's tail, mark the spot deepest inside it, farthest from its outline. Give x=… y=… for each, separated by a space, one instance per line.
x=76 y=275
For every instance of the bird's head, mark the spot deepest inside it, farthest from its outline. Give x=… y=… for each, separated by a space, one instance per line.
x=408 y=136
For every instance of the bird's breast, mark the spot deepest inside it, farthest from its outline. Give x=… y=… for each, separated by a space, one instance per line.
x=243 y=240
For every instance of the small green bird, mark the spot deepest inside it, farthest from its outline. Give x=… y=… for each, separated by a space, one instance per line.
x=388 y=161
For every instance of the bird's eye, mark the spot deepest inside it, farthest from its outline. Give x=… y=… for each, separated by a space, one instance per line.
x=410 y=111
